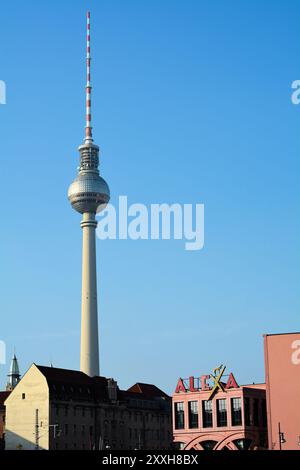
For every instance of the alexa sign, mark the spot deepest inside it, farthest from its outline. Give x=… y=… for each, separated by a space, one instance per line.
x=210 y=382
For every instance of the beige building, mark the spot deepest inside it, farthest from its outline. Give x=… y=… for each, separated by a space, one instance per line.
x=60 y=409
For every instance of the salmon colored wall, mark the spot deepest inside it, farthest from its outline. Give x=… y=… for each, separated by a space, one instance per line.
x=282 y=363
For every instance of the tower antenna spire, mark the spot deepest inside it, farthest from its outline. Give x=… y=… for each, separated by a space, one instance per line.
x=88 y=126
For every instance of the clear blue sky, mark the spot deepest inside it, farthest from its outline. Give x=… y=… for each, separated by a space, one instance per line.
x=191 y=104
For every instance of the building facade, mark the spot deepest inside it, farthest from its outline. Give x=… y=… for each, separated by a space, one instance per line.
x=59 y=409
x=210 y=414
x=13 y=380
x=3 y=396
x=282 y=365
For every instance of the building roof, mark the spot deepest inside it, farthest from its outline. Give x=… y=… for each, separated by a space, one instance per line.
x=66 y=384
x=56 y=375
x=258 y=386
x=283 y=334
x=148 y=390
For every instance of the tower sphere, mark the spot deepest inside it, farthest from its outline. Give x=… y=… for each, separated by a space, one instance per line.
x=89 y=192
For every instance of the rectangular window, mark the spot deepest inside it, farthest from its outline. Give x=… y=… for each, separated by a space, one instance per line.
x=264 y=413
x=247 y=411
x=207 y=414
x=236 y=411
x=179 y=415
x=256 y=412
x=66 y=429
x=75 y=429
x=193 y=414
x=83 y=429
x=221 y=413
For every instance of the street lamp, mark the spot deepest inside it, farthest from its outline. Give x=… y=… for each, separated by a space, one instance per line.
x=282 y=439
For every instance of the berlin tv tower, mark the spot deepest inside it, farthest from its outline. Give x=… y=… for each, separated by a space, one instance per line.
x=89 y=194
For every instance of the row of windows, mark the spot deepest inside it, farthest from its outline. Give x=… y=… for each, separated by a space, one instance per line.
x=151 y=433
x=135 y=433
x=207 y=413
x=62 y=388
x=67 y=447
x=78 y=429
x=251 y=418
x=144 y=404
x=108 y=413
x=105 y=445
x=148 y=416
x=76 y=410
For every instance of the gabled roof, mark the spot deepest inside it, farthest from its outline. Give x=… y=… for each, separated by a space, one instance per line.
x=148 y=390
x=66 y=384
x=55 y=375
x=74 y=384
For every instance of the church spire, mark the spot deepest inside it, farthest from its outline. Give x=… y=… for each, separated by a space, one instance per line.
x=14 y=374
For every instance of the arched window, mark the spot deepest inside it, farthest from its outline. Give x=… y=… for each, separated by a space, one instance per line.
x=208 y=445
x=242 y=444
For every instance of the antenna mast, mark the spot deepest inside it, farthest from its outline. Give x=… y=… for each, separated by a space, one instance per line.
x=88 y=127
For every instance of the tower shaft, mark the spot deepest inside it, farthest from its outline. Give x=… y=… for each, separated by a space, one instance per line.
x=89 y=351
x=89 y=194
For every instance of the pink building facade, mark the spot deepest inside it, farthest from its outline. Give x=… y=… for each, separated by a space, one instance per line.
x=213 y=412
x=282 y=365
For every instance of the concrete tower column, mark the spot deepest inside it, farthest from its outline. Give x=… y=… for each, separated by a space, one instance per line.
x=89 y=350
x=89 y=194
